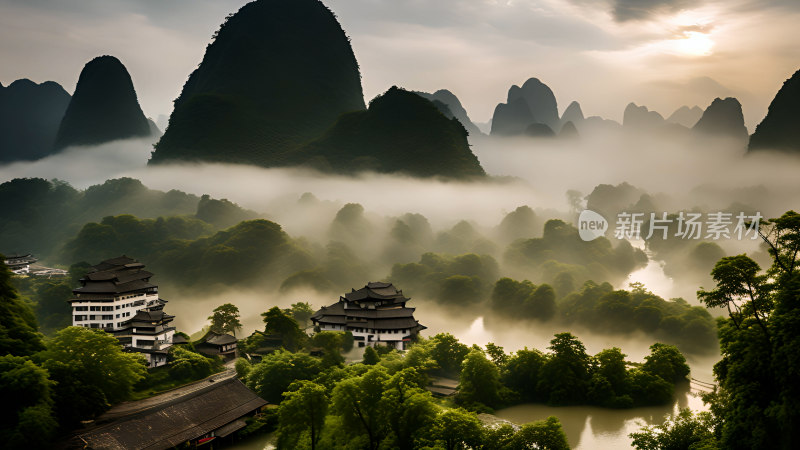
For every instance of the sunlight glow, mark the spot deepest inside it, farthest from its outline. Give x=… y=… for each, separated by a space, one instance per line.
x=694 y=43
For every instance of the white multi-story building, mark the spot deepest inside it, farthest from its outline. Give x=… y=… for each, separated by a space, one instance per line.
x=117 y=296
x=376 y=315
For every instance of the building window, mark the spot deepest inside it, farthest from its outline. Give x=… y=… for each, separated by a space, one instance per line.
x=117 y=316
x=81 y=308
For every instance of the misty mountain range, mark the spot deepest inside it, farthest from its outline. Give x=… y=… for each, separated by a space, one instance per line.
x=280 y=86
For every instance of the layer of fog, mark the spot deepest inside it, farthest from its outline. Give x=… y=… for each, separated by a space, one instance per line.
x=681 y=173
x=536 y=172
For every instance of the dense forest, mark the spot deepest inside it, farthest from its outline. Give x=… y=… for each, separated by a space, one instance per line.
x=503 y=273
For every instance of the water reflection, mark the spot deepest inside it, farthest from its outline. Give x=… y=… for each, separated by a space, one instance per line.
x=589 y=427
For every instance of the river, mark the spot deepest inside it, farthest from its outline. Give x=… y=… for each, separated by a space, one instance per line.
x=587 y=427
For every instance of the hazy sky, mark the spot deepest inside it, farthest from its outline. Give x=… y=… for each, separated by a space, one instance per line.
x=603 y=53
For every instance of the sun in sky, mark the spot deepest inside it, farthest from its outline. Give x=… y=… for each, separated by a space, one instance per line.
x=694 y=43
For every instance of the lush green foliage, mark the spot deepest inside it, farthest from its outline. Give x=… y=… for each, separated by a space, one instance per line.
x=480 y=380
x=567 y=375
x=26 y=419
x=225 y=319
x=301 y=312
x=756 y=403
x=278 y=323
x=18 y=327
x=40 y=215
x=683 y=431
x=271 y=377
x=303 y=410
x=560 y=249
x=523 y=299
x=379 y=407
x=449 y=279
x=184 y=365
x=602 y=309
x=174 y=249
x=48 y=299
x=222 y=213
x=400 y=132
x=91 y=370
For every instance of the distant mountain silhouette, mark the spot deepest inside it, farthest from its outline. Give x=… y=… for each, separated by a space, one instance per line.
x=723 y=118
x=639 y=117
x=573 y=114
x=539 y=130
x=103 y=108
x=686 y=116
x=568 y=131
x=511 y=118
x=30 y=114
x=276 y=76
x=780 y=129
x=455 y=108
x=154 y=130
x=400 y=132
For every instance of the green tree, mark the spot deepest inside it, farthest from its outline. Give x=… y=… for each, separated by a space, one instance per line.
x=277 y=322
x=301 y=312
x=186 y=365
x=18 y=327
x=611 y=365
x=496 y=353
x=26 y=420
x=448 y=353
x=371 y=357
x=683 y=431
x=242 y=367
x=541 y=303
x=357 y=401
x=544 y=434
x=271 y=377
x=91 y=370
x=480 y=380
x=521 y=373
x=303 y=410
x=667 y=362
x=755 y=403
x=411 y=411
x=565 y=375
x=648 y=389
x=331 y=343
x=458 y=429
x=225 y=319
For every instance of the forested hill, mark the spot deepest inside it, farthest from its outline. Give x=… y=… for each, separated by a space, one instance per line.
x=280 y=86
x=401 y=132
x=277 y=74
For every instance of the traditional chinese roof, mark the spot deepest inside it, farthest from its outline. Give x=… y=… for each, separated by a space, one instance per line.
x=220 y=339
x=385 y=324
x=376 y=306
x=115 y=276
x=171 y=424
x=376 y=291
x=150 y=317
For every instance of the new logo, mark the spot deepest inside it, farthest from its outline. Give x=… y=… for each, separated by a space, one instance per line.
x=591 y=225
